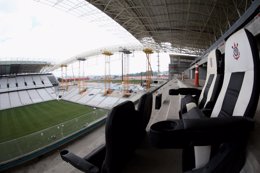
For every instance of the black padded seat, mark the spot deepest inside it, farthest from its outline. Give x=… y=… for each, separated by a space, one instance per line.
x=145 y=108
x=122 y=136
x=124 y=132
x=218 y=144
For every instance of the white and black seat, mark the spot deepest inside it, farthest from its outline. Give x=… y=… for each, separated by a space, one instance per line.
x=218 y=144
x=205 y=99
x=124 y=131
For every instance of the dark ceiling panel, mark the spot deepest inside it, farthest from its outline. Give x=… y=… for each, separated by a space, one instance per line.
x=186 y=24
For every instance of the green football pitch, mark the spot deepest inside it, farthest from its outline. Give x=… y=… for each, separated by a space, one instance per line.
x=27 y=128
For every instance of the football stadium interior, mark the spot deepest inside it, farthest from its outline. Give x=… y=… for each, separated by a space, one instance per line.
x=201 y=115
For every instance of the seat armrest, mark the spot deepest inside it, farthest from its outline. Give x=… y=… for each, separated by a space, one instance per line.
x=78 y=162
x=185 y=91
x=199 y=132
x=97 y=156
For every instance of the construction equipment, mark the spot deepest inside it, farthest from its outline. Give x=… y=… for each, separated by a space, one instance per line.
x=125 y=72
x=81 y=76
x=149 y=71
x=64 y=80
x=107 y=77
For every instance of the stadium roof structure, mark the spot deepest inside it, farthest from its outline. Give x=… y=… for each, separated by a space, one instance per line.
x=98 y=51
x=181 y=26
x=190 y=26
x=23 y=67
x=174 y=26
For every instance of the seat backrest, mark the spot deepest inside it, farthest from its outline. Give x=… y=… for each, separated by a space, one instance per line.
x=122 y=132
x=145 y=108
x=239 y=93
x=213 y=81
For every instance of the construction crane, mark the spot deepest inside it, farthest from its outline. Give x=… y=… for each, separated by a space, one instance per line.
x=149 y=71
x=81 y=78
x=64 y=80
x=107 y=77
x=125 y=72
x=73 y=75
x=158 y=64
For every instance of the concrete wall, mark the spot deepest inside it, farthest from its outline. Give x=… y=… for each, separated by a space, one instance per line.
x=202 y=73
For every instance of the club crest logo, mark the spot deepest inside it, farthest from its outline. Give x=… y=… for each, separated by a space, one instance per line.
x=236 y=53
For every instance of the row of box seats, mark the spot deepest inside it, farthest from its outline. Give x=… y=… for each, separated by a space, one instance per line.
x=215 y=123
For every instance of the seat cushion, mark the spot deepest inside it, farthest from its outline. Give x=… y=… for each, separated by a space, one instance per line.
x=187 y=103
x=194 y=113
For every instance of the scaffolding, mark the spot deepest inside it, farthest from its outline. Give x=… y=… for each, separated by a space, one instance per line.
x=64 y=80
x=125 y=72
x=149 y=71
x=107 y=77
x=73 y=81
x=158 y=64
x=81 y=76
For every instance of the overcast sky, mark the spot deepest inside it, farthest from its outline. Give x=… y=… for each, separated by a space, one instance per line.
x=32 y=30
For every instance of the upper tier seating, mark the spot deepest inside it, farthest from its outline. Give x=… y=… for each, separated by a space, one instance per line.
x=12 y=84
x=37 y=81
x=46 y=81
x=29 y=82
x=25 y=89
x=21 y=83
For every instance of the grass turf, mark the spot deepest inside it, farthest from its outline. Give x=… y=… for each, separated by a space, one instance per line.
x=25 y=129
x=25 y=120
